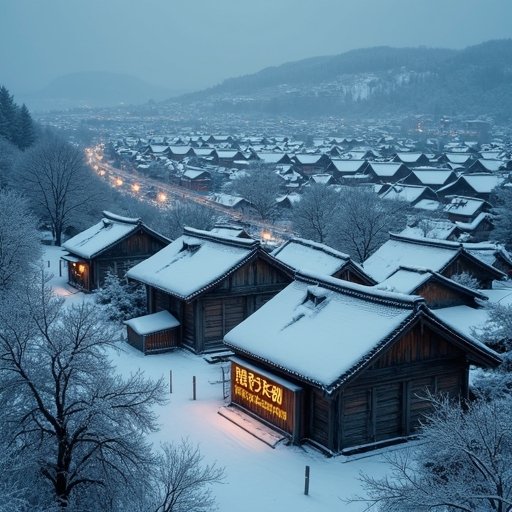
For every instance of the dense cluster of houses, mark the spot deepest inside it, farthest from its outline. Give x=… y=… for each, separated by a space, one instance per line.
x=325 y=350
x=455 y=180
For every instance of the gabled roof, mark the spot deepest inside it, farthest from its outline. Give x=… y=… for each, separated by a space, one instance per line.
x=408 y=193
x=432 y=176
x=481 y=183
x=196 y=262
x=462 y=205
x=427 y=253
x=409 y=280
x=325 y=331
x=307 y=256
x=386 y=169
x=102 y=236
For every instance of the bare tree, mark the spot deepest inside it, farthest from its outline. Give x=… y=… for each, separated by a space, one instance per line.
x=183 y=214
x=363 y=221
x=260 y=185
x=314 y=214
x=463 y=464
x=182 y=482
x=19 y=245
x=54 y=176
x=64 y=401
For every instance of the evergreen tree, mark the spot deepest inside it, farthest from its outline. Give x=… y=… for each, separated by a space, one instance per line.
x=16 y=124
x=26 y=133
x=7 y=115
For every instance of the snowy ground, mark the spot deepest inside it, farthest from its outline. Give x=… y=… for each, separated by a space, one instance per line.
x=257 y=477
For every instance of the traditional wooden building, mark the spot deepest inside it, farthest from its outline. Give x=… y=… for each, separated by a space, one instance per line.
x=196 y=179
x=387 y=172
x=210 y=282
x=307 y=256
x=442 y=256
x=430 y=177
x=412 y=159
x=464 y=208
x=115 y=244
x=479 y=185
x=437 y=290
x=346 y=367
x=308 y=164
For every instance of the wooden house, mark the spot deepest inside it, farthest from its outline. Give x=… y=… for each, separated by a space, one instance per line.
x=346 y=367
x=486 y=165
x=430 y=177
x=307 y=256
x=341 y=168
x=437 y=290
x=196 y=179
x=465 y=209
x=412 y=159
x=442 y=256
x=308 y=164
x=209 y=282
x=480 y=185
x=178 y=153
x=387 y=172
x=115 y=244
x=412 y=194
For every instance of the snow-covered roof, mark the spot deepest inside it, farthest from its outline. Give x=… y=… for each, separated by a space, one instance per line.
x=431 y=228
x=324 y=330
x=308 y=256
x=150 y=324
x=471 y=226
x=193 y=263
x=348 y=166
x=308 y=159
x=427 y=204
x=321 y=332
x=432 y=176
x=408 y=279
x=462 y=205
x=409 y=157
x=458 y=158
x=412 y=251
x=490 y=165
x=481 y=183
x=385 y=169
x=193 y=174
x=271 y=157
x=402 y=192
x=110 y=230
x=228 y=200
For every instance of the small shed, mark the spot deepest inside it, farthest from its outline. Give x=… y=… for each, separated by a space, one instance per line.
x=153 y=333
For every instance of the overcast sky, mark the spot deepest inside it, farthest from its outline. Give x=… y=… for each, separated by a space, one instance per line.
x=191 y=44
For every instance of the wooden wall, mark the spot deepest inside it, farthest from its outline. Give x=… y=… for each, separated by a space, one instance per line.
x=205 y=320
x=463 y=264
x=387 y=400
x=438 y=295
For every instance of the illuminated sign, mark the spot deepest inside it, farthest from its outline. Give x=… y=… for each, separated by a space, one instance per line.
x=270 y=398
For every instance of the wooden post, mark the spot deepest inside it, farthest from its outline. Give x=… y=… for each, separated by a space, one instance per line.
x=170 y=381
x=306 y=481
x=194 y=387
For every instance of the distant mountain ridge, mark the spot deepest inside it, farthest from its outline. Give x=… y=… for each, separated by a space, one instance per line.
x=381 y=80
x=95 y=89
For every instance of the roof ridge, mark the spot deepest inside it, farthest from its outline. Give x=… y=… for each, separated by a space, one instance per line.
x=246 y=243
x=314 y=245
x=432 y=242
x=360 y=291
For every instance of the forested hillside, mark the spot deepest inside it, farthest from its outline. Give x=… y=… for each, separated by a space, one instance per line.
x=376 y=81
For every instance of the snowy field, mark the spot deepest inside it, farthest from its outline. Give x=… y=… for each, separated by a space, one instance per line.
x=258 y=477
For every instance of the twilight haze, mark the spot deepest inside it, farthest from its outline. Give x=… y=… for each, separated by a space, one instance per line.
x=191 y=44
